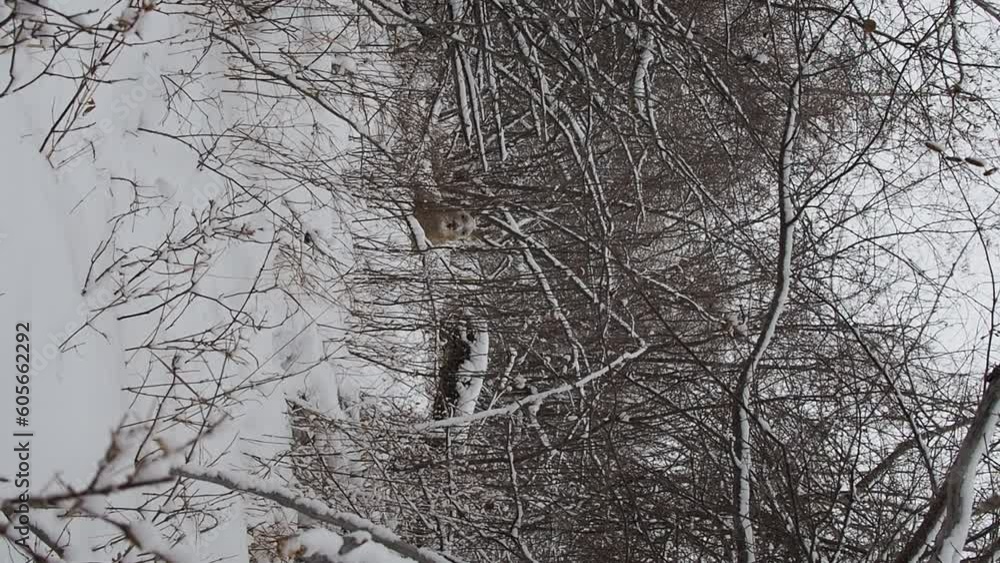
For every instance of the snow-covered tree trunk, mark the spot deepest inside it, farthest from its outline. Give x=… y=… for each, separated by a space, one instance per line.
x=743 y=457
x=945 y=527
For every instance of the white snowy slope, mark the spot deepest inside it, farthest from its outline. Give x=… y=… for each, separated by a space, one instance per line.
x=75 y=396
x=113 y=244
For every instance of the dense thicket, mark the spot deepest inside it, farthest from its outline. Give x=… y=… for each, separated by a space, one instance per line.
x=733 y=272
x=630 y=162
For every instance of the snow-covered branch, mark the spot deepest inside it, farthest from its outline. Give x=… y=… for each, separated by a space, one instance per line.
x=313 y=509
x=534 y=398
x=742 y=454
x=950 y=513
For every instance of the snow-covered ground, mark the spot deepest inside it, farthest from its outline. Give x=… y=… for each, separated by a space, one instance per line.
x=170 y=293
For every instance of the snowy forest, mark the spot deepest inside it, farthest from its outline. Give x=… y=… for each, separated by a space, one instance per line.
x=496 y=281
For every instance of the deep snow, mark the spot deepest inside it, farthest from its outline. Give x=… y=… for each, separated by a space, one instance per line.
x=121 y=184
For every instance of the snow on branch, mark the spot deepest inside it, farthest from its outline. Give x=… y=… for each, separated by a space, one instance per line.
x=640 y=90
x=512 y=226
x=742 y=454
x=314 y=509
x=148 y=539
x=9 y=530
x=950 y=514
x=675 y=293
x=473 y=368
x=319 y=545
x=534 y=398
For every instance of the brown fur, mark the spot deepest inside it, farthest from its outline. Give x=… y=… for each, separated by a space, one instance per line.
x=441 y=224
